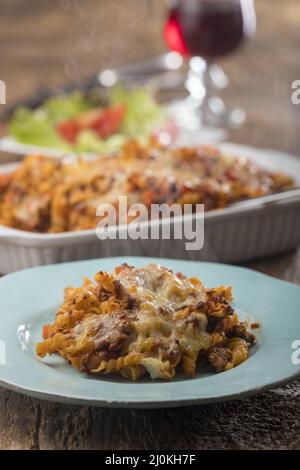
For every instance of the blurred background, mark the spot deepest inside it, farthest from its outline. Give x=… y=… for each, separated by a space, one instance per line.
x=53 y=42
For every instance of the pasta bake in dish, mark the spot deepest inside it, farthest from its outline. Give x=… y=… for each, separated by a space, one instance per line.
x=49 y=196
x=147 y=321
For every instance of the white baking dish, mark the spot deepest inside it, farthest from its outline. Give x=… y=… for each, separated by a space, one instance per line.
x=251 y=229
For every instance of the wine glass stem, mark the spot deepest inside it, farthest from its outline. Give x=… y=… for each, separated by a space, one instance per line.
x=202 y=81
x=198 y=81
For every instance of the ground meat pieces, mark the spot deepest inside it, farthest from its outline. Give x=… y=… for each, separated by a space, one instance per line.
x=239 y=331
x=102 y=294
x=218 y=357
x=89 y=362
x=218 y=307
x=109 y=333
x=216 y=324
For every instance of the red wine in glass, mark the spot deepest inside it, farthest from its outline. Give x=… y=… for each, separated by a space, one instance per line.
x=206 y=28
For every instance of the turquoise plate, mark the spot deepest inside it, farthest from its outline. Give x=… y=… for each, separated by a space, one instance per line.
x=30 y=298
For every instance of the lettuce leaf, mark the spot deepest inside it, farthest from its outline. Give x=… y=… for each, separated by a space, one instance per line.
x=64 y=107
x=36 y=128
x=89 y=141
x=143 y=114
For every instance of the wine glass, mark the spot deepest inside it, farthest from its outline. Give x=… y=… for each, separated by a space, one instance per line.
x=202 y=31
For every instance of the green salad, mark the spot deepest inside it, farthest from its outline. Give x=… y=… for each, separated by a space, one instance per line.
x=74 y=122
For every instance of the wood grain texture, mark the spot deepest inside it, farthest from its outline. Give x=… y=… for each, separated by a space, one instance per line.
x=50 y=42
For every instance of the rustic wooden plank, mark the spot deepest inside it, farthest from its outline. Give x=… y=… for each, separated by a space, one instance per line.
x=19 y=421
x=269 y=421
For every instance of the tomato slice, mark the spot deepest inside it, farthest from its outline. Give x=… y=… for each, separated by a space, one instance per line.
x=68 y=130
x=109 y=121
x=104 y=122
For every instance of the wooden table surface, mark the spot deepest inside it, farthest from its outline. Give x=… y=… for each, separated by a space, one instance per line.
x=51 y=42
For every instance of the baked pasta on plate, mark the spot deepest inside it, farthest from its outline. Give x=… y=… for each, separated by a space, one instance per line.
x=147 y=321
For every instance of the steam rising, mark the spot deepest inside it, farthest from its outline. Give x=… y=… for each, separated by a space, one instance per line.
x=106 y=33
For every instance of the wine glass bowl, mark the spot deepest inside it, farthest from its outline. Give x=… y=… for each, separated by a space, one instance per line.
x=202 y=31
